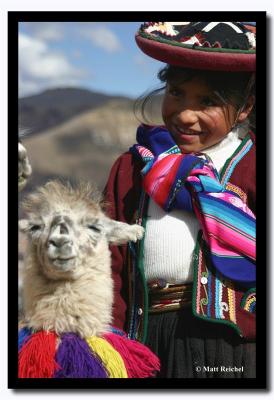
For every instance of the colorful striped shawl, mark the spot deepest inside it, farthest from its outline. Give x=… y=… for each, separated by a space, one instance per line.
x=191 y=182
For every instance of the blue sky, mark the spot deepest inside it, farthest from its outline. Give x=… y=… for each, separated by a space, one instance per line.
x=99 y=56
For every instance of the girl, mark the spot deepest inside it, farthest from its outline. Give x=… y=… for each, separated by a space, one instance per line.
x=188 y=289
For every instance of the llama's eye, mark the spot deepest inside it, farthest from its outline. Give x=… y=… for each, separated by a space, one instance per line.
x=35 y=228
x=94 y=228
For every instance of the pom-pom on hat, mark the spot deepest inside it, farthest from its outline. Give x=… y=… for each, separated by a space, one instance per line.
x=216 y=46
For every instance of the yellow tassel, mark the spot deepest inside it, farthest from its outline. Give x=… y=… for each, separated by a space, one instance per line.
x=112 y=360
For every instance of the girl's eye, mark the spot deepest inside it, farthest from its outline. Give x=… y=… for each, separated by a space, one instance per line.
x=208 y=101
x=175 y=92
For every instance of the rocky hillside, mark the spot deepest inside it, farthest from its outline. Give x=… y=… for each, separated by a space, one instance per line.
x=84 y=145
x=53 y=106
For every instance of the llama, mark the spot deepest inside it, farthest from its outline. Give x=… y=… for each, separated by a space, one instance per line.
x=68 y=288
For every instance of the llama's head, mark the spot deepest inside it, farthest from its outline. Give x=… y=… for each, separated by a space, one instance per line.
x=65 y=225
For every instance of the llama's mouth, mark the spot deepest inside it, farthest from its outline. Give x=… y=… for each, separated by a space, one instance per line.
x=62 y=262
x=63 y=259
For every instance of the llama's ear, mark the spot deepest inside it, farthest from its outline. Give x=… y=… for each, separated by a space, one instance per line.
x=120 y=232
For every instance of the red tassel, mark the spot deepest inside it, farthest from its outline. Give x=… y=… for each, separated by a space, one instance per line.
x=37 y=356
x=140 y=362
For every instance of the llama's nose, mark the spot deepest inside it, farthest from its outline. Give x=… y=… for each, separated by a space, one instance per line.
x=63 y=229
x=59 y=235
x=59 y=241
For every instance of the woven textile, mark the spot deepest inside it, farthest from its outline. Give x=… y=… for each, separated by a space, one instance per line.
x=191 y=182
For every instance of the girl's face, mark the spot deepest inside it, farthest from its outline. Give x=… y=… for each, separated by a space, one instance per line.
x=195 y=116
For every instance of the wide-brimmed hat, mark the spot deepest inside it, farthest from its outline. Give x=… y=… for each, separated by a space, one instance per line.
x=216 y=46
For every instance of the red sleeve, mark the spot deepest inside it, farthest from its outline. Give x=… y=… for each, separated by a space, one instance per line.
x=244 y=175
x=121 y=194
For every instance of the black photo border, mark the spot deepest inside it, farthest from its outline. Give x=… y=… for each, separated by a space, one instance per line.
x=262 y=376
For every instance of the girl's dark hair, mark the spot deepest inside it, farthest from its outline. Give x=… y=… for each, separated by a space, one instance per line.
x=233 y=88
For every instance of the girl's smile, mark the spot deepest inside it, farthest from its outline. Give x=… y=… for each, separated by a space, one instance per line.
x=196 y=116
x=186 y=135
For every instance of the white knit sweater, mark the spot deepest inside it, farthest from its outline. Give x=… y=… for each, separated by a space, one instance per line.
x=170 y=237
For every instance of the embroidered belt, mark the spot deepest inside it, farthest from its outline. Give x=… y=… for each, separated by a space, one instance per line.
x=169 y=298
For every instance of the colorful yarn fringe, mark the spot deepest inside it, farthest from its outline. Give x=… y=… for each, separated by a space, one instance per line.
x=140 y=362
x=76 y=360
x=23 y=337
x=36 y=357
x=112 y=360
x=46 y=355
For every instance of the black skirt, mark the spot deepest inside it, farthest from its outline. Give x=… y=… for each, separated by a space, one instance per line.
x=189 y=347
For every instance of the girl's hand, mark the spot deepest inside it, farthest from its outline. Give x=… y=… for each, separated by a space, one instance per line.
x=24 y=167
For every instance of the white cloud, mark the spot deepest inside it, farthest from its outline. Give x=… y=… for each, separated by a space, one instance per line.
x=48 y=31
x=102 y=37
x=41 y=68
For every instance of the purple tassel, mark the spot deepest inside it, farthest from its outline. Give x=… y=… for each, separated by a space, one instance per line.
x=77 y=360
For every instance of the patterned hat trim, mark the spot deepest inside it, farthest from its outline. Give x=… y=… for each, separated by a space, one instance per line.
x=205 y=46
x=216 y=46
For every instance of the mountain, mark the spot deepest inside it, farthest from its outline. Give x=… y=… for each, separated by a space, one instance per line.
x=84 y=146
x=77 y=133
x=53 y=106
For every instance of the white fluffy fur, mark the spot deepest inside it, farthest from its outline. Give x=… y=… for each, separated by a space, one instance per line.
x=77 y=298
